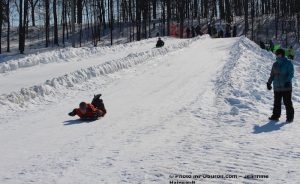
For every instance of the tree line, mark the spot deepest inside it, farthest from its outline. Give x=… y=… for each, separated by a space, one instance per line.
x=79 y=21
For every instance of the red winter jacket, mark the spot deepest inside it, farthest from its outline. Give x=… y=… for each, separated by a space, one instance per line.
x=91 y=112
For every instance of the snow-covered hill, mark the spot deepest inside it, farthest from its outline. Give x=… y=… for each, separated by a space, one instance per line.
x=195 y=107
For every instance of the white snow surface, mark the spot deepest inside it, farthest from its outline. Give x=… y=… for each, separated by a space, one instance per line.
x=196 y=106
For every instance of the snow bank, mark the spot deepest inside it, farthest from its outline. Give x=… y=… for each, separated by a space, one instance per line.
x=241 y=85
x=61 y=85
x=64 y=55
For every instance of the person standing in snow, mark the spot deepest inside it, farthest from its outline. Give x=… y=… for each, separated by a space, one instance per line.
x=198 y=30
x=281 y=76
x=234 y=31
x=221 y=33
x=193 y=32
x=209 y=30
x=188 y=32
x=228 y=31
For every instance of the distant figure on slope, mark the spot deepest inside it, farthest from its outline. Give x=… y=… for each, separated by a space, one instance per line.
x=188 y=32
x=221 y=33
x=214 y=32
x=198 y=30
x=262 y=45
x=160 y=43
x=91 y=111
x=193 y=32
x=290 y=53
x=234 y=31
x=209 y=30
x=281 y=76
x=271 y=46
x=228 y=31
x=227 y=34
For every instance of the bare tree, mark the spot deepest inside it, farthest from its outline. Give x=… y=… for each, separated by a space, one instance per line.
x=1 y=21
x=55 y=22
x=8 y=26
x=73 y=23
x=111 y=20
x=33 y=4
x=47 y=21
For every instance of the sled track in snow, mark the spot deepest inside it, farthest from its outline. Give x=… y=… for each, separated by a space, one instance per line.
x=164 y=130
x=233 y=146
x=59 y=85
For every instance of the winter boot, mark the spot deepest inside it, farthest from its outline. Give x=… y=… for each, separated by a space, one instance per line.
x=273 y=118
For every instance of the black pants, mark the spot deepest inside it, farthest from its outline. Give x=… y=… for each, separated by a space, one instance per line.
x=287 y=100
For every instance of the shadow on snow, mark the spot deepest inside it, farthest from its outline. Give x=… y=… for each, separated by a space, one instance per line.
x=269 y=127
x=77 y=121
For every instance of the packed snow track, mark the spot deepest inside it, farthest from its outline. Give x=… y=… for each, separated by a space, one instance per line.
x=197 y=106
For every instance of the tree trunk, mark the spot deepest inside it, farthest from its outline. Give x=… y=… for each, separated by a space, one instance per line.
x=195 y=9
x=228 y=11
x=298 y=25
x=111 y=21
x=63 y=13
x=276 y=18
x=168 y=17
x=21 y=33
x=73 y=23
x=252 y=19
x=103 y=14
x=33 y=5
x=246 y=16
x=55 y=22
x=8 y=26
x=1 y=22
x=47 y=22
x=154 y=8
x=221 y=9
x=138 y=20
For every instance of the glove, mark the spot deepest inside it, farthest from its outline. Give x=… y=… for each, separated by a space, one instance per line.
x=269 y=86
x=287 y=85
x=73 y=113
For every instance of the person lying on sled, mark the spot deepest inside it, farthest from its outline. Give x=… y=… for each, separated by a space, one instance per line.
x=90 y=111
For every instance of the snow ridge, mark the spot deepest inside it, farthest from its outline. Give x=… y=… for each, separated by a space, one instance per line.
x=241 y=85
x=64 y=55
x=59 y=85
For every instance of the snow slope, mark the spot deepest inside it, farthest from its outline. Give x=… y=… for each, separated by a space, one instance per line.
x=199 y=107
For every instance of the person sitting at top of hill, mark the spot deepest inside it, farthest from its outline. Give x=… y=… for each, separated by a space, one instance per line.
x=93 y=111
x=160 y=43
